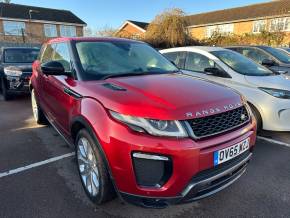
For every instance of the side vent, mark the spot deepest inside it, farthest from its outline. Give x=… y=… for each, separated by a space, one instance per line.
x=113 y=87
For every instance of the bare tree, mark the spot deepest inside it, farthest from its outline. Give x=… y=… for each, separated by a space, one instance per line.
x=88 y=32
x=106 y=31
x=168 y=29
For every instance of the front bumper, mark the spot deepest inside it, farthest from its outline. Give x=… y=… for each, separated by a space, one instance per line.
x=189 y=158
x=18 y=84
x=202 y=185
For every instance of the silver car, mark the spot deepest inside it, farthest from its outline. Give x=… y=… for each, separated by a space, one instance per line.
x=267 y=93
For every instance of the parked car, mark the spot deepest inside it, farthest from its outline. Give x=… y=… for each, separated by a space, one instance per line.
x=141 y=128
x=267 y=93
x=272 y=58
x=284 y=49
x=16 y=70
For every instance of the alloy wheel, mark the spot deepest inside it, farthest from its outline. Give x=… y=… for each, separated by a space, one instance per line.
x=34 y=106
x=88 y=167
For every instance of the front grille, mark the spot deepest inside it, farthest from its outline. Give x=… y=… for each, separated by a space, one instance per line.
x=216 y=124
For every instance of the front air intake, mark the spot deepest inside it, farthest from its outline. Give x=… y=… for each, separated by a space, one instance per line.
x=153 y=172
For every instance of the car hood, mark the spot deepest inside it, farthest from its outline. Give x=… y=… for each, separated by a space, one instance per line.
x=20 y=67
x=163 y=96
x=275 y=81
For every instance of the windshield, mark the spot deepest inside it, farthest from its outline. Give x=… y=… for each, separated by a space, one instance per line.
x=280 y=55
x=241 y=64
x=20 y=55
x=101 y=60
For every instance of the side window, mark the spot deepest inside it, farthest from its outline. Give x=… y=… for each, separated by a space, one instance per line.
x=197 y=62
x=255 y=54
x=177 y=57
x=62 y=55
x=47 y=53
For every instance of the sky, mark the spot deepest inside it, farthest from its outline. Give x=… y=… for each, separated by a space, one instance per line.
x=112 y=13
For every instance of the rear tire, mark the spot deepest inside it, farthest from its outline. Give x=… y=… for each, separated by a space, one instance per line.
x=37 y=111
x=257 y=117
x=92 y=169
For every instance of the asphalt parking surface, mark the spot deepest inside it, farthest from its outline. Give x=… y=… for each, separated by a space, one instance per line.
x=54 y=189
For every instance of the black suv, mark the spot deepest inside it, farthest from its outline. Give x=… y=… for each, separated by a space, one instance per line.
x=16 y=70
x=272 y=58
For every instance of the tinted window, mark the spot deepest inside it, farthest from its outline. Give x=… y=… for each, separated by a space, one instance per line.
x=20 y=55
x=101 y=59
x=241 y=64
x=256 y=54
x=62 y=55
x=281 y=56
x=197 y=62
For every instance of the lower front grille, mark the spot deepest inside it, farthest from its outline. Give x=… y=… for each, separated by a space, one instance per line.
x=213 y=180
x=220 y=123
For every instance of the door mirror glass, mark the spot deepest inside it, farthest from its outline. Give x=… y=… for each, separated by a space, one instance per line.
x=268 y=62
x=214 y=71
x=53 y=68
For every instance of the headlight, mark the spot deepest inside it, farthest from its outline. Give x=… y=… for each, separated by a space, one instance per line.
x=154 y=127
x=278 y=93
x=11 y=72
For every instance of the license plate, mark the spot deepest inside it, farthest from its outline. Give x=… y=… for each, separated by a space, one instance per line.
x=231 y=152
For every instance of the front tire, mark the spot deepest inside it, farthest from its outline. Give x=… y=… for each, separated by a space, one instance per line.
x=37 y=112
x=92 y=169
x=6 y=95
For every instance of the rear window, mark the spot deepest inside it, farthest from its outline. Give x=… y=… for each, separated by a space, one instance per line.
x=20 y=55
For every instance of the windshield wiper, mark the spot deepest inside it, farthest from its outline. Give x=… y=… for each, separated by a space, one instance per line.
x=134 y=73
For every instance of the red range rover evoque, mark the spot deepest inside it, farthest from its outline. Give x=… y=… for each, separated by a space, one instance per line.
x=141 y=129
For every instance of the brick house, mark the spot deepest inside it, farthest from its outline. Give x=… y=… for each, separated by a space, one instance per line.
x=28 y=24
x=132 y=29
x=270 y=16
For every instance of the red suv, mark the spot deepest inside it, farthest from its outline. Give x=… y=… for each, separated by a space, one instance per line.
x=141 y=129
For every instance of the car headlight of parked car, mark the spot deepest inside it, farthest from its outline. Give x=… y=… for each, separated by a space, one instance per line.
x=278 y=93
x=12 y=72
x=154 y=127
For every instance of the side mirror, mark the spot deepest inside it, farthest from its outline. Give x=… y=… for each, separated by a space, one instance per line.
x=268 y=62
x=53 y=68
x=213 y=71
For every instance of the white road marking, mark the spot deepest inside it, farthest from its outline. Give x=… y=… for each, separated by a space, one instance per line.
x=21 y=169
x=54 y=159
x=274 y=141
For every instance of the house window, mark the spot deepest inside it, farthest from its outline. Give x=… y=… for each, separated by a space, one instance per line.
x=224 y=29
x=280 y=24
x=68 y=31
x=50 y=30
x=259 y=26
x=14 y=28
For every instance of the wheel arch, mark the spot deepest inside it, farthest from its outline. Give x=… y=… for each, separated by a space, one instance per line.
x=79 y=123
x=256 y=110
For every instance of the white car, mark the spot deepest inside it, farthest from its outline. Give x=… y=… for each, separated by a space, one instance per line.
x=286 y=50
x=268 y=94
